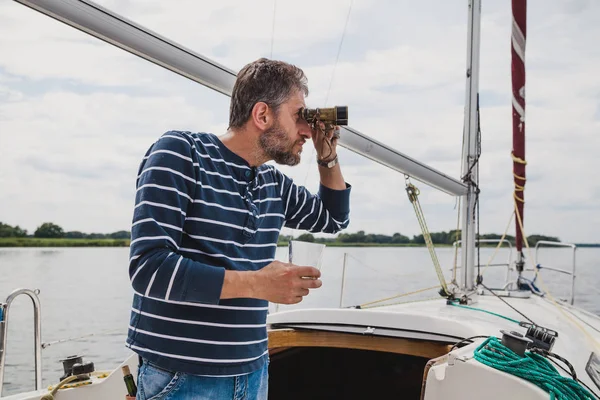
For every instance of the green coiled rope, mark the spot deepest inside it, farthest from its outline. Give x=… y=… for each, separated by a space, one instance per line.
x=533 y=368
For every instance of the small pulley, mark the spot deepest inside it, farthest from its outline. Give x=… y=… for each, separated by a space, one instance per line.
x=411 y=190
x=542 y=338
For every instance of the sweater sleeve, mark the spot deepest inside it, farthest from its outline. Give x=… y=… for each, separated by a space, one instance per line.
x=328 y=211
x=165 y=186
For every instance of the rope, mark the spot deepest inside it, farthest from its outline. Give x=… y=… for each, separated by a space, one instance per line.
x=456 y=247
x=410 y=275
x=413 y=196
x=273 y=27
x=397 y=296
x=518 y=188
x=50 y=396
x=485 y=311
x=477 y=191
x=108 y=332
x=512 y=215
x=518 y=160
x=592 y=340
x=370 y=304
x=508 y=304
x=533 y=368
x=407 y=301
x=337 y=58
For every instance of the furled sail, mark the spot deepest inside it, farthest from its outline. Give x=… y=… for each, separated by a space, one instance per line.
x=519 y=33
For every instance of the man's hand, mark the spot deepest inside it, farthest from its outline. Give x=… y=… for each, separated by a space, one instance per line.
x=284 y=283
x=325 y=142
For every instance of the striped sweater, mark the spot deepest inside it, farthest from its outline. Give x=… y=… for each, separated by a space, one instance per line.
x=200 y=209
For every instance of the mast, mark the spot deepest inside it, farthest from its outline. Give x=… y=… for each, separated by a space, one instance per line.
x=470 y=148
x=519 y=32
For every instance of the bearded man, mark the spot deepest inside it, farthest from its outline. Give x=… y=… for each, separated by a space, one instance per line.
x=207 y=217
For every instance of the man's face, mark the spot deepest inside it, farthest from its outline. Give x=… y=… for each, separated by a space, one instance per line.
x=283 y=141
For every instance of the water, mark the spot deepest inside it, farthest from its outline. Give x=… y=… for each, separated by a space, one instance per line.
x=86 y=290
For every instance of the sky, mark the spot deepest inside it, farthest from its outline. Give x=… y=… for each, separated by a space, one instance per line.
x=77 y=114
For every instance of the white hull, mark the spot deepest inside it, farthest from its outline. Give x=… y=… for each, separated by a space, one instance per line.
x=426 y=321
x=101 y=387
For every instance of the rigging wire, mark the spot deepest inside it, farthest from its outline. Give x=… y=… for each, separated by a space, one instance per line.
x=457 y=205
x=582 y=320
x=88 y=335
x=508 y=304
x=520 y=226
x=466 y=176
x=455 y=239
x=370 y=304
x=592 y=340
x=404 y=276
x=273 y=27
x=337 y=58
x=477 y=191
x=512 y=215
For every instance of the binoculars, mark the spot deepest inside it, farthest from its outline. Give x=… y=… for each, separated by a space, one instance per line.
x=330 y=117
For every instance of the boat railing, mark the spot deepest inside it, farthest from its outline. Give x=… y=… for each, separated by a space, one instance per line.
x=572 y=272
x=4 y=313
x=508 y=264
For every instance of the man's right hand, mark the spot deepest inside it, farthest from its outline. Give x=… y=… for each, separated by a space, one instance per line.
x=284 y=283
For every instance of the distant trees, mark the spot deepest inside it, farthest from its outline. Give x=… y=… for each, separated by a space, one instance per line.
x=358 y=237
x=10 y=231
x=75 y=235
x=51 y=230
x=533 y=239
x=120 y=235
x=306 y=237
x=114 y=235
x=398 y=238
x=439 y=237
x=446 y=238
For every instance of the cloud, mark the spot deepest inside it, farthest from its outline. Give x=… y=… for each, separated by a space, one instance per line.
x=77 y=115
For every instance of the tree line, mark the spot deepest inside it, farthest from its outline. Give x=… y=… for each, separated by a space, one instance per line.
x=54 y=231
x=446 y=238
x=49 y=230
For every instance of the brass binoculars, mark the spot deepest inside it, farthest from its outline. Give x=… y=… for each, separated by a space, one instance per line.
x=330 y=117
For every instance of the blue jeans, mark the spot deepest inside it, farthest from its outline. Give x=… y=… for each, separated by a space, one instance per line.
x=155 y=383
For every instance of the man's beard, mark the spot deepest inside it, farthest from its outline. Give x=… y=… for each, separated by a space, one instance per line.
x=276 y=145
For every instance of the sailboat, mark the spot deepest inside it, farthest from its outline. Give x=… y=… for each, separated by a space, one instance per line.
x=515 y=341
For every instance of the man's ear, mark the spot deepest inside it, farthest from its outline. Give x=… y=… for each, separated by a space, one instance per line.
x=261 y=116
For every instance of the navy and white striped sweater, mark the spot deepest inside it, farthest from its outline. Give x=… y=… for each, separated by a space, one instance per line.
x=201 y=209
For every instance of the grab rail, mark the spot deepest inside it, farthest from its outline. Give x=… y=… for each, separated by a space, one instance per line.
x=4 y=312
x=562 y=271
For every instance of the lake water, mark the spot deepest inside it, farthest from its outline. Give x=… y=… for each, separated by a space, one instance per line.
x=86 y=290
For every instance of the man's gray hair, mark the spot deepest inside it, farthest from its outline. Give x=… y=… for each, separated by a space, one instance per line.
x=264 y=80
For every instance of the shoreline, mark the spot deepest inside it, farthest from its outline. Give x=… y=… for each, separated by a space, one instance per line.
x=43 y=242
x=39 y=242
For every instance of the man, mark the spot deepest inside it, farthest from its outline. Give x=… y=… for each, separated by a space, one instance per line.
x=207 y=218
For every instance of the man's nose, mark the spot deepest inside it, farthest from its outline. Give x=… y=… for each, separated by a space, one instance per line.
x=305 y=132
